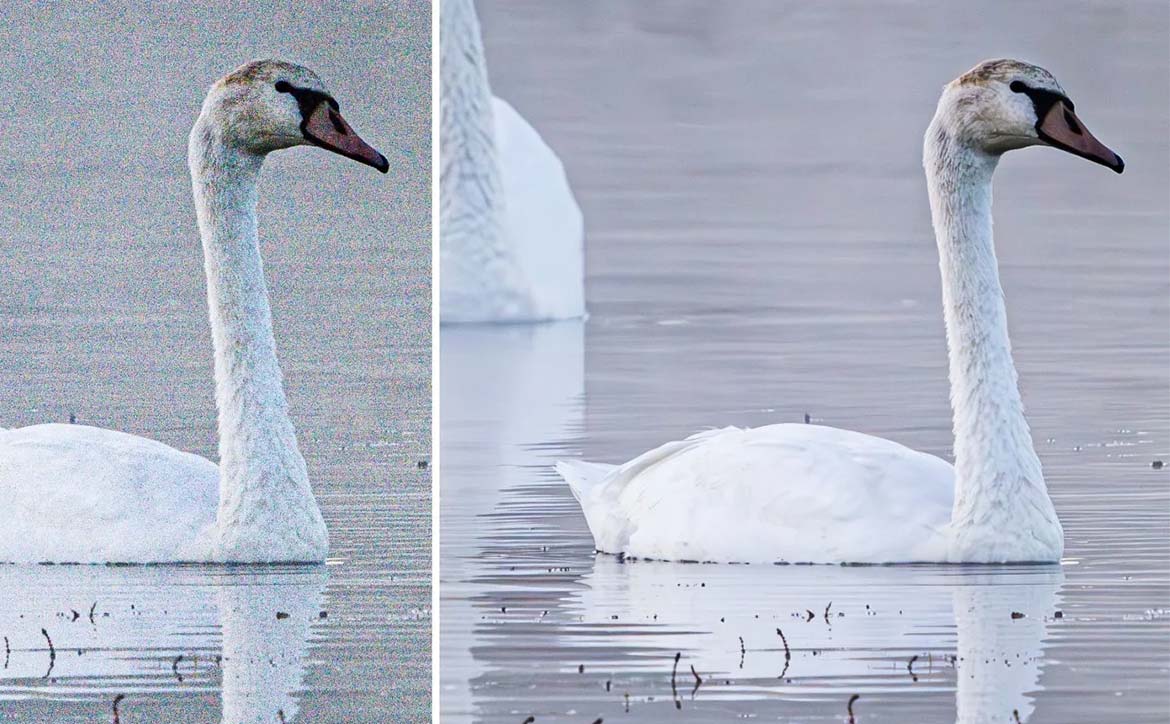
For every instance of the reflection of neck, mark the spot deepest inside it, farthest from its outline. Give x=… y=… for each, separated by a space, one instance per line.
x=263 y=656
x=1000 y=657
x=1001 y=509
x=475 y=256
x=266 y=508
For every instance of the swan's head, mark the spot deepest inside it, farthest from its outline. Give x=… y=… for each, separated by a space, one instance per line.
x=1000 y=105
x=267 y=105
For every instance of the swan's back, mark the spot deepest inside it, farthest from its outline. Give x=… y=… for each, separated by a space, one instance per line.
x=80 y=494
x=782 y=493
x=542 y=221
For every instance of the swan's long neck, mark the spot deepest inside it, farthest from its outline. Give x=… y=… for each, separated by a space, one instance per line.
x=1001 y=508
x=266 y=509
x=476 y=259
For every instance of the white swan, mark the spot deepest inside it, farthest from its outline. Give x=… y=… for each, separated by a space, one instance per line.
x=82 y=494
x=817 y=494
x=511 y=247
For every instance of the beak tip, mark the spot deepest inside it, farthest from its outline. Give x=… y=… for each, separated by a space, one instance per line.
x=384 y=166
x=1118 y=164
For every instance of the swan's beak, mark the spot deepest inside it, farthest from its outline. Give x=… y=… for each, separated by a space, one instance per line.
x=1061 y=128
x=326 y=128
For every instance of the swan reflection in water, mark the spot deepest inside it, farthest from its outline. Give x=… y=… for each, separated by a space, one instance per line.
x=506 y=388
x=982 y=628
x=160 y=630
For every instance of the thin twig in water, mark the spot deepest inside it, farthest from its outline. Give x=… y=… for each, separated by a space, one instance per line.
x=849 y=707
x=280 y=715
x=529 y=720
x=52 y=654
x=117 y=700
x=742 y=651
x=698 y=681
x=7 y=651
x=910 y=667
x=91 y=610
x=787 y=653
x=1016 y=714
x=673 y=685
x=827 y=612
x=175 y=668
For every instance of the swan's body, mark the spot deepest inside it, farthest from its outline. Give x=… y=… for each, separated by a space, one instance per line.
x=82 y=494
x=802 y=493
x=759 y=490
x=511 y=248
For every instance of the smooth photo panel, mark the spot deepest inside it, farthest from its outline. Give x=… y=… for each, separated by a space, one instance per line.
x=747 y=413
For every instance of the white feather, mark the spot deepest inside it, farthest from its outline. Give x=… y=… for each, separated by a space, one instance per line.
x=782 y=493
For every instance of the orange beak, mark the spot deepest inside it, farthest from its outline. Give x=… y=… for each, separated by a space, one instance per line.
x=1061 y=128
x=326 y=128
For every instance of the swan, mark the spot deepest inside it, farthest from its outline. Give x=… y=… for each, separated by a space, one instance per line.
x=73 y=493
x=808 y=493
x=511 y=246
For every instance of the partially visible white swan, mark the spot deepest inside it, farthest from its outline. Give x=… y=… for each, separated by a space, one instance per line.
x=511 y=246
x=817 y=494
x=72 y=493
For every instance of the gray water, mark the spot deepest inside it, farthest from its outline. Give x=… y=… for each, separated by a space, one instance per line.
x=103 y=316
x=758 y=247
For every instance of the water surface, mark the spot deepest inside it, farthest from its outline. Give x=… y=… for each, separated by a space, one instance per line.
x=758 y=248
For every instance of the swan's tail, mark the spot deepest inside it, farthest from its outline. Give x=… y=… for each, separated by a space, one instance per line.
x=588 y=483
x=583 y=477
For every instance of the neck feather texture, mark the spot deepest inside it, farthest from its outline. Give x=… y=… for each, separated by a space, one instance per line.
x=479 y=268
x=1001 y=511
x=266 y=508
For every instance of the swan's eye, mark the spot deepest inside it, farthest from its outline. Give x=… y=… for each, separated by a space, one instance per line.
x=1042 y=100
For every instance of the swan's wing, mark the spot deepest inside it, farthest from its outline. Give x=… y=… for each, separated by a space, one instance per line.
x=543 y=224
x=73 y=493
x=795 y=493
